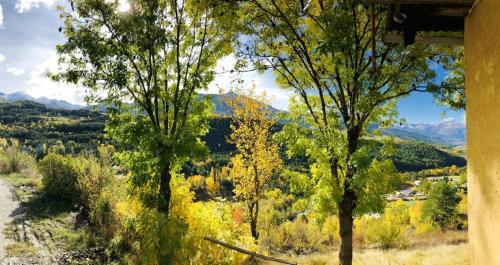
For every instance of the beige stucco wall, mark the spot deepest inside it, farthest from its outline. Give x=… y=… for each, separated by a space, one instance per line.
x=482 y=64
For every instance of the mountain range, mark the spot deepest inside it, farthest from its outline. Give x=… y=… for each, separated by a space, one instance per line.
x=448 y=133
x=50 y=103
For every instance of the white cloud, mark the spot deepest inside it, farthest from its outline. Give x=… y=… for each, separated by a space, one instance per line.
x=42 y=86
x=2 y=58
x=23 y=6
x=16 y=71
x=1 y=16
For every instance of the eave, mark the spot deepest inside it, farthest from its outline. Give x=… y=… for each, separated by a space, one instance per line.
x=408 y=20
x=422 y=2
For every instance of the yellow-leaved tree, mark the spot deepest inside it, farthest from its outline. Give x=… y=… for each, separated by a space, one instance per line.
x=257 y=157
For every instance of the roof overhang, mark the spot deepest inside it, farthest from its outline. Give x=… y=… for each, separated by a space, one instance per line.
x=407 y=18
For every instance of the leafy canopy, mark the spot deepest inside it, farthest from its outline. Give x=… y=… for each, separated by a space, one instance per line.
x=323 y=54
x=148 y=64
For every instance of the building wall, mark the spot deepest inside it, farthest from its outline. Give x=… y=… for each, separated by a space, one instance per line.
x=482 y=64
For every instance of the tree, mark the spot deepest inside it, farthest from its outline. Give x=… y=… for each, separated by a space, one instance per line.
x=257 y=157
x=322 y=52
x=156 y=56
x=452 y=91
x=441 y=204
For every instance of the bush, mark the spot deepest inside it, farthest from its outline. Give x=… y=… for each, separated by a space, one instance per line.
x=297 y=237
x=97 y=174
x=421 y=224
x=441 y=204
x=13 y=160
x=60 y=176
x=331 y=229
x=141 y=235
x=391 y=229
x=462 y=212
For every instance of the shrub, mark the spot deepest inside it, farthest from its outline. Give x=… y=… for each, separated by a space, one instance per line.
x=391 y=229
x=331 y=229
x=60 y=176
x=297 y=237
x=213 y=187
x=141 y=235
x=441 y=203
x=13 y=160
x=97 y=173
x=462 y=212
x=421 y=224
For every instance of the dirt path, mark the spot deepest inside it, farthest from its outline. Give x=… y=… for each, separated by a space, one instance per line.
x=7 y=209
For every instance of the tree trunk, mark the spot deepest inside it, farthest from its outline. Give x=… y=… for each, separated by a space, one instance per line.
x=165 y=191
x=348 y=202
x=254 y=214
x=346 y=208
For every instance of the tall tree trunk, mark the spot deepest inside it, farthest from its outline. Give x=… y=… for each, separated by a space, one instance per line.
x=165 y=191
x=346 y=208
x=348 y=203
x=254 y=215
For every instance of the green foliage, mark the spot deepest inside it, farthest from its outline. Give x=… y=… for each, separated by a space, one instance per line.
x=451 y=92
x=414 y=156
x=96 y=175
x=39 y=128
x=441 y=203
x=13 y=159
x=462 y=212
x=158 y=55
x=74 y=132
x=379 y=179
x=322 y=54
x=60 y=176
x=374 y=178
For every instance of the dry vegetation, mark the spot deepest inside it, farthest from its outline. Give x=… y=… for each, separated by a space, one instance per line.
x=436 y=255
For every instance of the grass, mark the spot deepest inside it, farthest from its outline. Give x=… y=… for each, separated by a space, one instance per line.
x=52 y=223
x=20 y=179
x=21 y=249
x=24 y=185
x=436 y=255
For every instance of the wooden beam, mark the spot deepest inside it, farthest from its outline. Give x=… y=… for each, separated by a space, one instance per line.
x=438 y=40
x=456 y=11
x=422 y=2
x=244 y=251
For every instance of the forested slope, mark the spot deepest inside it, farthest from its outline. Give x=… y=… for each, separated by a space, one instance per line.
x=39 y=128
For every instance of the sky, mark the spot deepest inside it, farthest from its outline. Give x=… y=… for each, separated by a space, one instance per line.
x=29 y=34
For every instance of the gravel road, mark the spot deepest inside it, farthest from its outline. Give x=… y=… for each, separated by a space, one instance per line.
x=7 y=208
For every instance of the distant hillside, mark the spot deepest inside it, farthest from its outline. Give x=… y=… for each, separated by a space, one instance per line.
x=409 y=156
x=37 y=125
x=416 y=156
x=50 y=103
x=448 y=133
x=220 y=107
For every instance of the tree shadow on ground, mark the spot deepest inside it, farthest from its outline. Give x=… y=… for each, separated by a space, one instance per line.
x=40 y=207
